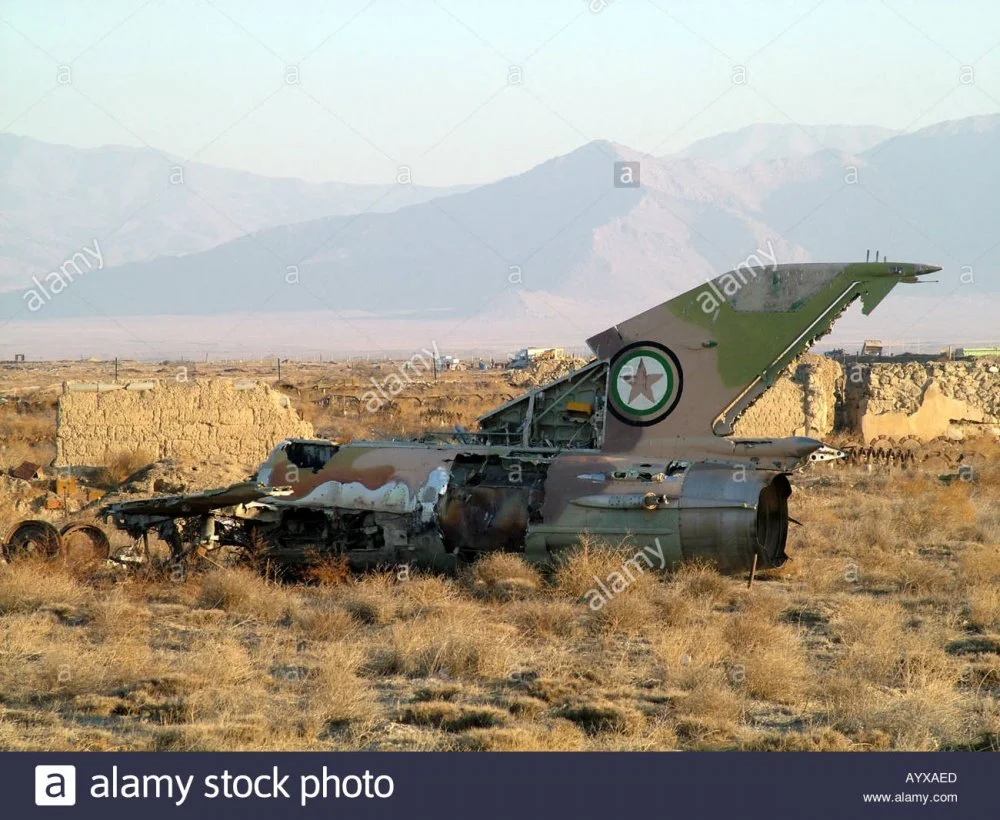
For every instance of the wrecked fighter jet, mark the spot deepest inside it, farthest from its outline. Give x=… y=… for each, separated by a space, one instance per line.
x=638 y=443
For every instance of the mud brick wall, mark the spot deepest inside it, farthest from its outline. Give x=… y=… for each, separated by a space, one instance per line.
x=881 y=399
x=186 y=421
x=926 y=400
x=803 y=402
x=895 y=388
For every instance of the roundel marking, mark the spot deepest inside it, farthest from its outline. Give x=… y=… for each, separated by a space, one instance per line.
x=644 y=383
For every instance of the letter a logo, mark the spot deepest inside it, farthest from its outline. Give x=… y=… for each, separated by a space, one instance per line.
x=55 y=785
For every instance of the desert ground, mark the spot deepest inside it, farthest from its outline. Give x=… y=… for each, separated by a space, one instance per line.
x=881 y=632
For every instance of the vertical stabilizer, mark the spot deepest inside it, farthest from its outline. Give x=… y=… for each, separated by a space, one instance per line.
x=691 y=366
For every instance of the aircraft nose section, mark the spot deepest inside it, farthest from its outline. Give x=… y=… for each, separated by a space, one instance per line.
x=920 y=270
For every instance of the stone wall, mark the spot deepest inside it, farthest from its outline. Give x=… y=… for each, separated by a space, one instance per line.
x=895 y=388
x=244 y=420
x=817 y=396
x=187 y=421
x=923 y=400
x=802 y=402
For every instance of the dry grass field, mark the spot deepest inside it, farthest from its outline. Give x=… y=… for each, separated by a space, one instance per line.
x=882 y=632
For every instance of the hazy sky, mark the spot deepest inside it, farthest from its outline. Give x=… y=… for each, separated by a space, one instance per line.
x=468 y=90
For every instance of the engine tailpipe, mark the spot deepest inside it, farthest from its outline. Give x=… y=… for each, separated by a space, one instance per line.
x=749 y=517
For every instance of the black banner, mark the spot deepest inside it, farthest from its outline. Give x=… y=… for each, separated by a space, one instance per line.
x=487 y=786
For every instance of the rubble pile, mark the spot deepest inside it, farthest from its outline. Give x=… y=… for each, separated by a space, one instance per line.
x=879 y=400
x=543 y=371
x=899 y=388
x=19 y=499
x=171 y=476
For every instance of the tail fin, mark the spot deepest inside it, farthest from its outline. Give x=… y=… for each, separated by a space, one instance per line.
x=691 y=366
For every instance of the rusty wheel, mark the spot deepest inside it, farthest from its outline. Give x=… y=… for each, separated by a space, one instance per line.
x=32 y=537
x=937 y=460
x=910 y=449
x=973 y=458
x=84 y=543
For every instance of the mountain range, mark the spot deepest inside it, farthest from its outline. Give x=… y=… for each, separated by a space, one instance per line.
x=140 y=204
x=558 y=245
x=768 y=141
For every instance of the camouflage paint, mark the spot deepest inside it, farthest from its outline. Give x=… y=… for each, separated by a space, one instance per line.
x=681 y=373
x=734 y=336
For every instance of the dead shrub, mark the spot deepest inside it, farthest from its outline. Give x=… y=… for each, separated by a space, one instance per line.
x=425 y=595
x=323 y=623
x=747 y=634
x=823 y=572
x=436 y=690
x=556 y=735
x=864 y=619
x=443 y=646
x=920 y=577
x=578 y=572
x=372 y=600
x=21 y=634
x=670 y=607
x=980 y=565
x=114 y=617
x=450 y=717
x=925 y=718
x=523 y=706
x=761 y=604
x=884 y=649
x=32 y=583
x=627 y=613
x=335 y=697
x=701 y=581
x=656 y=736
x=503 y=576
x=327 y=570
x=243 y=592
x=595 y=717
x=544 y=619
x=120 y=464
x=216 y=660
x=984 y=607
x=766 y=658
x=69 y=666
x=952 y=509
x=780 y=676
x=815 y=740
x=26 y=436
x=710 y=699
x=936 y=512
x=691 y=653
x=895 y=571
